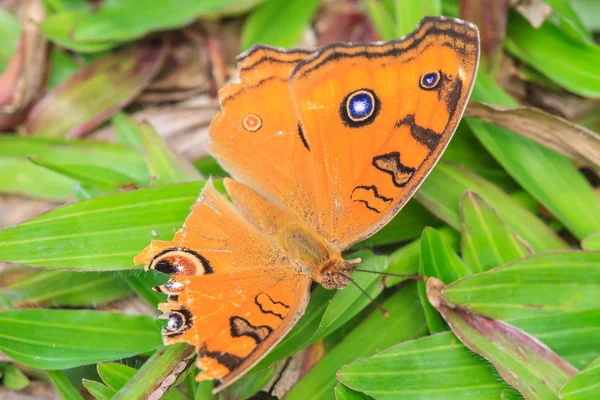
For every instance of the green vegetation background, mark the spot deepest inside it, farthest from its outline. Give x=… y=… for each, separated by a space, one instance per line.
x=511 y=224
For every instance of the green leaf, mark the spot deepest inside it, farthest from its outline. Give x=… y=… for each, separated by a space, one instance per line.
x=574 y=335
x=591 y=242
x=204 y=391
x=380 y=18
x=548 y=176
x=278 y=23
x=345 y=393
x=62 y=66
x=126 y=130
x=104 y=179
x=543 y=284
x=95 y=92
x=154 y=372
x=142 y=283
x=98 y=390
x=438 y=259
x=585 y=385
x=251 y=383
x=59 y=339
x=115 y=375
x=165 y=167
x=587 y=10
x=466 y=150
x=486 y=240
x=116 y=22
x=376 y=332
x=569 y=22
x=539 y=47
x=31 y=286
x=64 y=386
x=408 y=224
x=442 y=190
x=406 y=260
x=436 y=367
x=12 y=377
x=120 y=158
x=408 y=13
x=19 y=176
x=524 y=362
x=349 y=302
x=10 y=30
x=103 y=233
x=209 y=167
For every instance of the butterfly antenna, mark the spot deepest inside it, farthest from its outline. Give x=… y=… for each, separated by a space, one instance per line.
x=414 y=277
x=379 y=307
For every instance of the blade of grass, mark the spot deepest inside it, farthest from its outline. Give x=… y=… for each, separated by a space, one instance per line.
x=64 y=386
x=442 y=190
x=548 y=176
x=439 y=260
x=486 y=240
x=278 y=23
x=405 y=322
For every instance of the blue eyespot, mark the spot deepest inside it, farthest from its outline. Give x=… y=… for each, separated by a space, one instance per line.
x=429 y=80
x=360 y=105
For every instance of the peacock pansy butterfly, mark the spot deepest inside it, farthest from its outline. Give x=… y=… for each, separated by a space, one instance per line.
x=325 y=148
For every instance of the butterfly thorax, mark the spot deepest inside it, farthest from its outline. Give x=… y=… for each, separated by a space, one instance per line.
x=310 y=251
x=323 y=263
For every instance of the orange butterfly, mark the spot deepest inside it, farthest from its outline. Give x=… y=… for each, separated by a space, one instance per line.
x=326 y=147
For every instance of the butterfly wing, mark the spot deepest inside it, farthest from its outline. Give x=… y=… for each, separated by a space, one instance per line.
x=378 y=117
x=350 y=138
x=232 y=294
x=257 y=136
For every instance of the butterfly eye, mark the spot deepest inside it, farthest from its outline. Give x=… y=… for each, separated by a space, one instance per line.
x=359 y=108
x=252 y=122
x=429 y=80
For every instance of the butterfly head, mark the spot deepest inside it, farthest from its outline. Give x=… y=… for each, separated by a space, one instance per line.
x=335 y=274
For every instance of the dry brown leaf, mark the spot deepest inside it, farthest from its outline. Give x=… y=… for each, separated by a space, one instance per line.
x=184 y=126
x=24 y=77
x=490 y=16
x=534 y=11
x=554 y=132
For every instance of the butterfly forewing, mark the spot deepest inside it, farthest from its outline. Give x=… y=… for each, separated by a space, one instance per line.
x=378 y=117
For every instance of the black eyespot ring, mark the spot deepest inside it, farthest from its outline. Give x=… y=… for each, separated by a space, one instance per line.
x=359 y=108
x=429 y=80
x=179 y=321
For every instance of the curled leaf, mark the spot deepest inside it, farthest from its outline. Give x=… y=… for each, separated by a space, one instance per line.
x=554 y=132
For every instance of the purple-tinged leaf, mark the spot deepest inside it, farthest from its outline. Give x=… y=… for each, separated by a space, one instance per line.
x=96 y=92
x=522 y=360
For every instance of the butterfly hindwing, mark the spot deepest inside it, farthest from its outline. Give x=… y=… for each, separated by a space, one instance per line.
x=227 y=283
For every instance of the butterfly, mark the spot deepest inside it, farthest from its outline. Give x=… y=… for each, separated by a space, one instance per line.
x=325 y=148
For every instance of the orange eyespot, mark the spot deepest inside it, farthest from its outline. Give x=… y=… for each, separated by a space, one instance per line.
x=252 y=122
